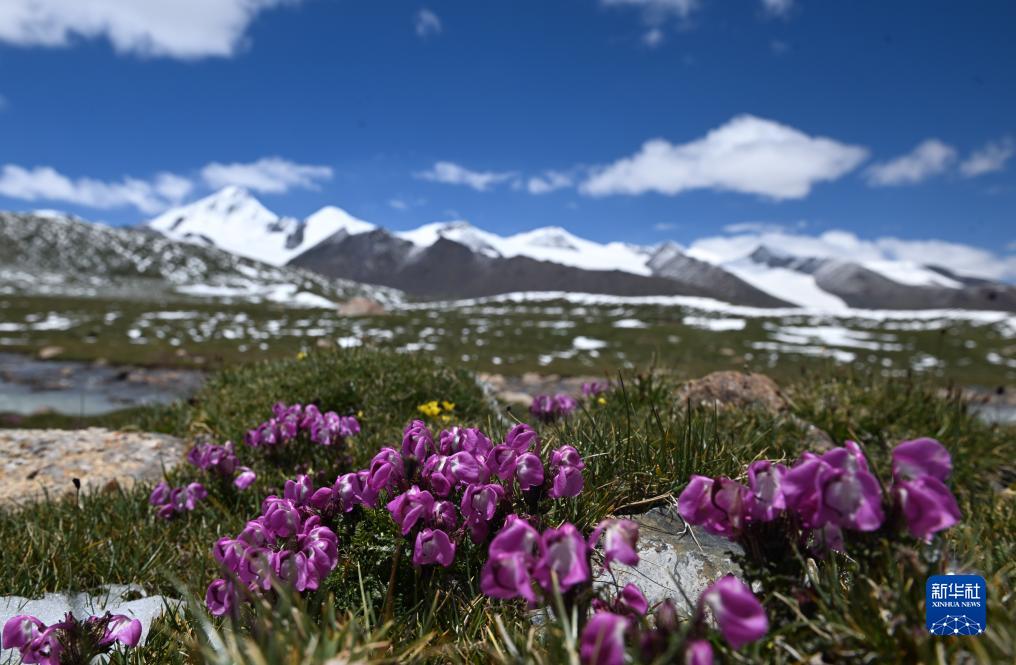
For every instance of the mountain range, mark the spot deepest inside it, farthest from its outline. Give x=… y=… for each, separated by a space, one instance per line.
x=455 y=259
x=54 y=254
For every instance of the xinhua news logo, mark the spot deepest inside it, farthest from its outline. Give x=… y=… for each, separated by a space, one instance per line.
x=956 y=605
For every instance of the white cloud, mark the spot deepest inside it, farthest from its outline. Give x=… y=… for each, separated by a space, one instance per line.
x=44 y=183
x=761 y=227
x=657 y=11
x=777 y=7
x=269 y=175
x=427 y=23
x=931 y=157
x=992 y=157
x=747 y=154
x=3 y=103
x=653 y=37
x=664 y=226
x=550 y=181
x=450 y=173
x=838 y=244
x=398 y=204
x=172 y=28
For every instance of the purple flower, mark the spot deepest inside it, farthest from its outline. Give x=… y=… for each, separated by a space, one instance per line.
x=927 y=504
x=349 y=490
x=444 y=516
x=566 y=464
x=298 y=491
x=602 y=640
x=517 y=536
x=620 y=538
x=521 y=438
x=529 y=471
x=292 y=568
x=122 y=629
x=921 y=457
x=417 y=441
x=719 y=506
x=479 y=503
x=245 y=478
x=476 y=442
x=320 y=546
x=502 y=461
x=507 y=576
x=468 y=439
x=467 y=469
x=765 y=479
x=836 y=487
x=632 y=600
x=411 y=506
x=220 y=598
x=386 y=469
x=698 y=652
x=280 y=517
x=160 y=494
x=20 y=630
x=438 y=474
x=193 y=493
x=595 y=388
x=565 y=556
x=737 y=611
x=433 y=546
x=546 y=408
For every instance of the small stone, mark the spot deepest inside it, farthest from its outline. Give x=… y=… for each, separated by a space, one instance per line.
x=734 y=389
x=676 y=561
x=47 y=352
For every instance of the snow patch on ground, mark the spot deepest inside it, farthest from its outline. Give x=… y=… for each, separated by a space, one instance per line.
x=713 y=323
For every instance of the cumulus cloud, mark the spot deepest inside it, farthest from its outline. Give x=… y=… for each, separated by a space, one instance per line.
x=44 y=183
x=777 y=7
x=427 y=23
x=964 y=259
x=930 y=158
x=990 y=158
x=450 y=173
x=550 y=181
x=269 y=175
x=747 y=154
x=172 y=28
x=653 y=37
x=656 y=11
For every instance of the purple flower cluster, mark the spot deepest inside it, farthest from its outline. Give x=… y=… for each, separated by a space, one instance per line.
x=737 y=613
x=288 y=422
x=71 y=640
x=173 y=500
x=222 y=461
x=520 y=556
x=548 y=408
x=440 y=490
x=286 y=544
x=828 y=493
x=920 y=469
x=595 y=389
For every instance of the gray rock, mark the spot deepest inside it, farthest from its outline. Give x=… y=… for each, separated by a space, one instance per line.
x=113 y=598
x=676 y=561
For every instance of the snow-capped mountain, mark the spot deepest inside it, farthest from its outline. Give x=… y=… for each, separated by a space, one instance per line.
x=56 y=254
x=452 y=259
x=233 y=220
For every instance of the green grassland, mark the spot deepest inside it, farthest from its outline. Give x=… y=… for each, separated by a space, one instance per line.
x=552 y=336
x=863 y=607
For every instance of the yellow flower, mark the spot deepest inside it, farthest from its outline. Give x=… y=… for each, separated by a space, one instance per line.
x=601 y=400
x=359 y=414
x=430 y=409
x=448 y=406
x=445 y=418
x=302 y=355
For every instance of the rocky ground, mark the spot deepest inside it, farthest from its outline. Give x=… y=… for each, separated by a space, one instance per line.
x=36 y=461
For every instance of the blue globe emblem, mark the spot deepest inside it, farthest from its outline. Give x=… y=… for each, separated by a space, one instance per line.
x=956 y=625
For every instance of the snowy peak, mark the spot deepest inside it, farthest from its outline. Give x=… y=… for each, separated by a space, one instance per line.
x=459 y=231
x=234 y=220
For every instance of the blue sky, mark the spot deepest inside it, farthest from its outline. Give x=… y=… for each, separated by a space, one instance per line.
x=881 y=118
